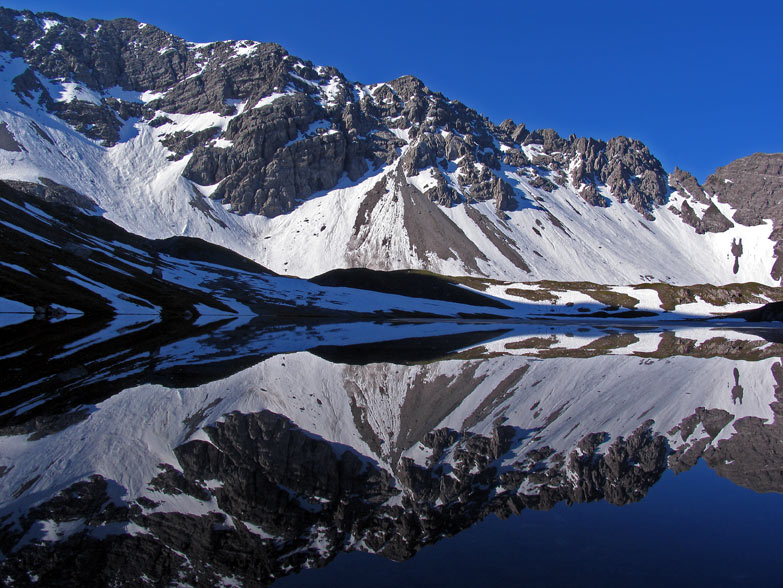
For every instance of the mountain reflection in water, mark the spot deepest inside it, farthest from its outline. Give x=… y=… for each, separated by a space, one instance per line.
x=242 y=452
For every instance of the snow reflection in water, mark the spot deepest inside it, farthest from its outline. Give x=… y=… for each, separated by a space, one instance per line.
x=204 y=458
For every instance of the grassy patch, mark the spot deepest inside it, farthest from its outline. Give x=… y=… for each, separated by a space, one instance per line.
x=611 y=298
x=597 y=292
x=568 y=286
x=534 y=295
x=752 y=292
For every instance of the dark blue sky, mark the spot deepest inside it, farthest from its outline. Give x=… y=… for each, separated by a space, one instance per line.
x=699 y=82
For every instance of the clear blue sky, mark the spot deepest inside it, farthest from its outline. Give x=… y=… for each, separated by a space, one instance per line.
x=700 y=82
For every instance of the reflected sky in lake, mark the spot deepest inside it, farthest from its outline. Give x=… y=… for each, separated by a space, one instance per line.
x=389 y=453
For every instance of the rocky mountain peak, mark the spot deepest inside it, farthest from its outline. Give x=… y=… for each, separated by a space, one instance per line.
x=289 y=128
x=752 y=185
x=686 y=184
x=624 y=166
x=244 y=127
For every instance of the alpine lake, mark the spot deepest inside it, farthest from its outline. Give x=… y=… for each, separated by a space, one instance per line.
x=249 y=453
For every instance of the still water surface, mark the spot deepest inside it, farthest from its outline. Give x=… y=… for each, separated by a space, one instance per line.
x=694 y=529
x=390 y=454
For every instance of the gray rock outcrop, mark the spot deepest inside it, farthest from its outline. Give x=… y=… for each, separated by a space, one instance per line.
x=625 y=166
x=687 y=185
x=753 y=186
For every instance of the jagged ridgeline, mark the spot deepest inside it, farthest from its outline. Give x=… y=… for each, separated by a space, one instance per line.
x=249 y=147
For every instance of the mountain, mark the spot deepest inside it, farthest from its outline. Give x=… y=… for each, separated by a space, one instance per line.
x=292 y=165
x=59 y=262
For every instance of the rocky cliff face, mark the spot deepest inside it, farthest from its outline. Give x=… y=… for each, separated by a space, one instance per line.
x=754 y=186
x=295 y=129
x=181 y=135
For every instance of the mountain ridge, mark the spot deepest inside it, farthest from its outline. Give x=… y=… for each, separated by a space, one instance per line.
x=387 y=176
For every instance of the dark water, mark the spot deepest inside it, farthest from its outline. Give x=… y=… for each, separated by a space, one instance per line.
x=693 y=529
x=372 y=454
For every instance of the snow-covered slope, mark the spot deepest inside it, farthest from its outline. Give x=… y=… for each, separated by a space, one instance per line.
x=60 y=262
x=291 y=165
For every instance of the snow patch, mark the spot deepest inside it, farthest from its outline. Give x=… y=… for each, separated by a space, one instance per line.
x=48 y=24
